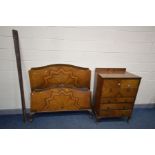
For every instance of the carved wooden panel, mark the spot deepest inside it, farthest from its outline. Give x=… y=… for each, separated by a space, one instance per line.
x=60 y=99
x=58 y=75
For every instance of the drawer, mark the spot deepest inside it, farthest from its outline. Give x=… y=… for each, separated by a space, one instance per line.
x=115 y=113
x=118 y=92
x=117 y=100
x=116 y=106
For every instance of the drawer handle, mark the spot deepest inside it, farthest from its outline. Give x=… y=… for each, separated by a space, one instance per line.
x=119 y=84
x=128 y=85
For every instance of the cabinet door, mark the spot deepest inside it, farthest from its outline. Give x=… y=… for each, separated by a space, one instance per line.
x=128 y=92
x=119 y=87
x=110 y=88
x=129 y=83
x=128 y=88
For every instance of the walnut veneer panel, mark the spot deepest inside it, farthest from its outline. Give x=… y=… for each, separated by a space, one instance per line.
x=115 y=92
x=59 y=75
x=110 y=70
x=115 y=113
x=116 y=106
x=117 y=100
x=60 y=99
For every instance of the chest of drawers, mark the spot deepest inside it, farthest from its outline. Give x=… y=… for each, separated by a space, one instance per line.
x=115 y=92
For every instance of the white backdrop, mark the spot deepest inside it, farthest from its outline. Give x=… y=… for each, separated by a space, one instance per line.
x=130 y=47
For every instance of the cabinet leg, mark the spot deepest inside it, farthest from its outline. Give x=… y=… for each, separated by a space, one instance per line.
x=91 y=114
x=31 y=116
x=97 y=119
x=128 y=119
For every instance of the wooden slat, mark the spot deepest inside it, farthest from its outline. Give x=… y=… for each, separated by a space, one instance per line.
x=18 y=59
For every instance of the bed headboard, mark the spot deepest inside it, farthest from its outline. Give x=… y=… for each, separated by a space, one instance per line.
x=59 y=74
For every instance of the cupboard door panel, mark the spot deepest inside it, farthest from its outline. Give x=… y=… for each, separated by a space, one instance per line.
x=112 y=83
x=128 y=92
x=132 y=83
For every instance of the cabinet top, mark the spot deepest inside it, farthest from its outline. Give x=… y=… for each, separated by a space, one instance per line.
x=115 y=73
x=120 y=75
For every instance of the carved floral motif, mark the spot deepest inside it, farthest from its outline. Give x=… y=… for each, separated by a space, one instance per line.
x=62 y=98
x=60 y=77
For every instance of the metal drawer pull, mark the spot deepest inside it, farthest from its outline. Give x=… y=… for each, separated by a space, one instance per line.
x=119 y=84
x=128 y=85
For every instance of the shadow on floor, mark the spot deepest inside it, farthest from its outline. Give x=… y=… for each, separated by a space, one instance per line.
x=141 y=119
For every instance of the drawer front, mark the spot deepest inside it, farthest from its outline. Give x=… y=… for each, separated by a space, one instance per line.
x=115 y=113
x=116 y=106
x=120 y=88
x=119 y=92
x=117 y=100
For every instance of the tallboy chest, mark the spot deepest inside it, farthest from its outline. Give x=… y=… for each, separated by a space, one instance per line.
x=115 y=92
